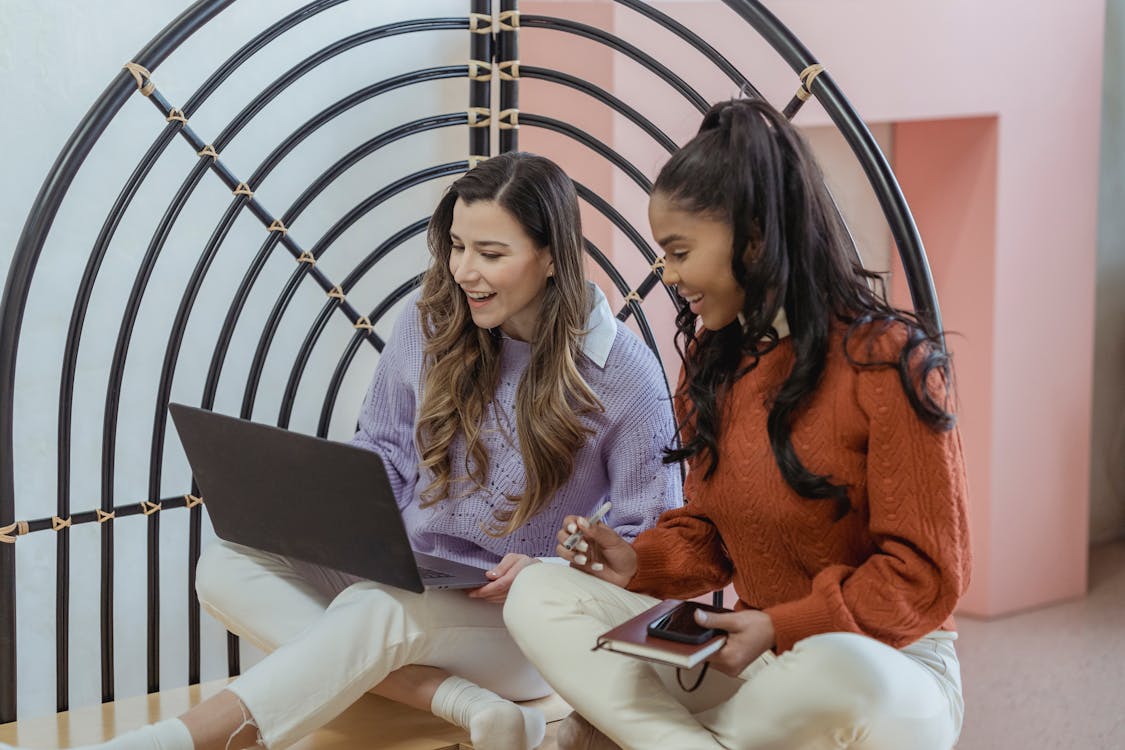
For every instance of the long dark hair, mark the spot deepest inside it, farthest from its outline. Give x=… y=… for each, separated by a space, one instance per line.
x=463 y=361
x=748 y=166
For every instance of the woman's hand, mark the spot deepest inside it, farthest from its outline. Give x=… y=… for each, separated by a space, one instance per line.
x=496 y=591
x=601 y=552
x=749 y=635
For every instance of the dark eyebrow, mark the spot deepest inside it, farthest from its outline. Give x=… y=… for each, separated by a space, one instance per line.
x=669 y=239
x=482 y=243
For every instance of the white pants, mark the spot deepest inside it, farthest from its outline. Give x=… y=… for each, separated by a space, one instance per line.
x=333 y=637
x=837 y=690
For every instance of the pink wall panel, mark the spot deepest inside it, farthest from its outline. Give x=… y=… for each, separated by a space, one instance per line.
x=947 y=169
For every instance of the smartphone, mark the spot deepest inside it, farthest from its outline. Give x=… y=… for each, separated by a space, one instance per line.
x=680 y=625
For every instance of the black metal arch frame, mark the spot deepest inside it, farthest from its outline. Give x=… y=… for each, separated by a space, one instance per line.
x=493 y=39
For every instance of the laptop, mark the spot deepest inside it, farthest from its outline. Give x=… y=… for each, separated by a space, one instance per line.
x=305 y=497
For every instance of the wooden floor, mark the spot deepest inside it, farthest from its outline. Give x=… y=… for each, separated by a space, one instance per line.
x=372 y=722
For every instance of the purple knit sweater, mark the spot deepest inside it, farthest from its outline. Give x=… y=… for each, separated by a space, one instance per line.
x=621 y=460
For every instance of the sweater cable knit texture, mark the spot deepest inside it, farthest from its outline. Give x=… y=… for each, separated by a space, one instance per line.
x=893 y=568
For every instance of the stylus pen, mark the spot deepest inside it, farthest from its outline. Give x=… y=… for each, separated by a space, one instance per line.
x=599 y=514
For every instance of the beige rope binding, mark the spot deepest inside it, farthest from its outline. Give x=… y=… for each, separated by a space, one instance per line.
x=142 y=77
x=244 y=189
x=475 y=160
x=176 y=115
x=103 y=516
x=475 y=68
x=9 y=533
x=209 y=150
x=509 y=119
x=278 y=226
x=657 y=265
x=190 y=501
x=337 y=293
x=306 y=257
x=634 y=297
x=479 y=117
x=475 y=21
x=58 y=524
x=807 y=76
x=364 y=323
x=513 y=72
x=509 y=20
x=148 y=508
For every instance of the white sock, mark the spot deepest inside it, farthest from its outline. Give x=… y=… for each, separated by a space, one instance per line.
x=492 y=722
x=170 y=734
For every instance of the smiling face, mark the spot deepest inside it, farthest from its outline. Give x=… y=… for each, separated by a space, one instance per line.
x=500 y=269
x=697 y=261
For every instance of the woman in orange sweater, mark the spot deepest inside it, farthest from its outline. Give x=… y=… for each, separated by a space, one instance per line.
x=826 y=482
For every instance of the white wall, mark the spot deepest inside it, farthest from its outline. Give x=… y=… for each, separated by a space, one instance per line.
x=55 y=59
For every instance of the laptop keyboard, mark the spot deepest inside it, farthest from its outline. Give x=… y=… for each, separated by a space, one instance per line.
x=428 y=574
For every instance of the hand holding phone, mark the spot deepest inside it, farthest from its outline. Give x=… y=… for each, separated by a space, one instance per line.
x=680 y=625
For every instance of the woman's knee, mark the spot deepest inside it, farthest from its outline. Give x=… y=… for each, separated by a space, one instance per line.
x=535 y=588
x=214 y=582
x=848 y=664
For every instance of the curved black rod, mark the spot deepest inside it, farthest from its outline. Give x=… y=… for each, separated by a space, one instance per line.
x=164 y=389
x=631 y=307
x=124 y=199
x=254 y=269
x=696 y=41
x=352 y=347
x=325 y=54
x=141 y=282
x=603 y=96
x=70 y=357
x=620 y=45
x=300 y=362
x=364 y=266
x=94 y=262
x=603 y=207
x=867 y=151
x=272 y=321
x=22 y=269
x=594 y=144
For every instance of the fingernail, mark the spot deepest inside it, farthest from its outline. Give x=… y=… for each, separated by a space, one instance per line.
x=571 y=527
x=597 y=566
x=580 y=559
x=582 y=546
x=492 y=572
x=700 y=616
x=583 y=523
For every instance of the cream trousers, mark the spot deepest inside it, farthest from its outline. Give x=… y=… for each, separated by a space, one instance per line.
x=837 y=690
x=333 y=637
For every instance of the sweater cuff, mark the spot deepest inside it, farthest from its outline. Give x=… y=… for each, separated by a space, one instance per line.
x=653 y=569
x=794 y=621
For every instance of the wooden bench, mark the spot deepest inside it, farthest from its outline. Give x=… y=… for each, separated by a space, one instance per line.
x=372 y=722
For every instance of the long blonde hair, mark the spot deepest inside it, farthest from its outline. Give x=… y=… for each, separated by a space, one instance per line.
x=462 y=361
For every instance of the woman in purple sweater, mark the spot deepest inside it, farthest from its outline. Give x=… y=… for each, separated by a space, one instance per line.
x=507 y=398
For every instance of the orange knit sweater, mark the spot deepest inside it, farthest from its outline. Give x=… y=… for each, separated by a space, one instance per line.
x=892 y=569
